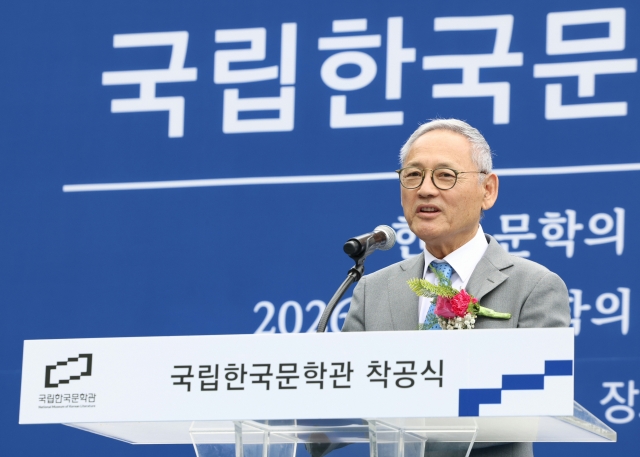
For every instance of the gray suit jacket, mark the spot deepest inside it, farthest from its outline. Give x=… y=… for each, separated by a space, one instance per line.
x=533 y=295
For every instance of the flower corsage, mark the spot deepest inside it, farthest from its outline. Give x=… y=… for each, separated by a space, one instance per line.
x=455 y=309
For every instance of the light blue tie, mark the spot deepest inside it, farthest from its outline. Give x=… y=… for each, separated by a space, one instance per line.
x=431 y=318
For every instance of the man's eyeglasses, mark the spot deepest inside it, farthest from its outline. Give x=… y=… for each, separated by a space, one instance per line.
x=442 y=178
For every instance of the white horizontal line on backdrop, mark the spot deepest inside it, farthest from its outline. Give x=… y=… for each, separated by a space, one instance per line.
x=221 y=182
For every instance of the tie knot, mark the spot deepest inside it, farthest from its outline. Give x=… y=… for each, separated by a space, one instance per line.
x=442 y=267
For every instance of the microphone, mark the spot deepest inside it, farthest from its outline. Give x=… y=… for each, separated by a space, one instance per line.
x=383 y=237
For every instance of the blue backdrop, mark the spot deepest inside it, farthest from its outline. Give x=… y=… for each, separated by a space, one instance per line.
x=253 y=138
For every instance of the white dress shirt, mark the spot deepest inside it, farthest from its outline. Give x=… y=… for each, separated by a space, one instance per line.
x=463 y=261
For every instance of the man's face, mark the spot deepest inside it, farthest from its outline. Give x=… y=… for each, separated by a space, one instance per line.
x=446 y=219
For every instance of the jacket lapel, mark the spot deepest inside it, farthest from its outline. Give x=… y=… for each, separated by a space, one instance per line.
x=488 y=273
x=403 y=302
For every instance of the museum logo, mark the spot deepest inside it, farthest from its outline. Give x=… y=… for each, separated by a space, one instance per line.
x=71 y=369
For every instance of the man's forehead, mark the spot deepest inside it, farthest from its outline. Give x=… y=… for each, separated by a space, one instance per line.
x=441 y=141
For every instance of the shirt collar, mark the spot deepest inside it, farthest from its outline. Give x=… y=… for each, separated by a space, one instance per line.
x=464 y=259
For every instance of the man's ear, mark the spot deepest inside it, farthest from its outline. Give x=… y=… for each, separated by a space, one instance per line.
x=490 y=187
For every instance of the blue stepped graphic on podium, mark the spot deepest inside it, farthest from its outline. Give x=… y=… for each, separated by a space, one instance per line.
x=471 y=399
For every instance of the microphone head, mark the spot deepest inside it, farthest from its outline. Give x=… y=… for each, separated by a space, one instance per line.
x=352 y=247
x=390 y=234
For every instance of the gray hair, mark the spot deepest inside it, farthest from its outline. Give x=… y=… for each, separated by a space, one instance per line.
x=480 y=150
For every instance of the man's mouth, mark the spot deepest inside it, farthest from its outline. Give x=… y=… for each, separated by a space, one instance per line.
x=428 y=209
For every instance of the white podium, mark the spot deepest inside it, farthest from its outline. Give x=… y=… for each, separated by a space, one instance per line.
x=404 y=393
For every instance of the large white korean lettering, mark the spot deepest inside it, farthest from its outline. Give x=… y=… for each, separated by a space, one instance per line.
x=396 y=57
x=471 y=64
x=284 y=103
x=149 y=78
x=586 y=71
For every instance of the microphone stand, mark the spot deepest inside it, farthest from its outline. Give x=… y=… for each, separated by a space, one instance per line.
x=354 y=275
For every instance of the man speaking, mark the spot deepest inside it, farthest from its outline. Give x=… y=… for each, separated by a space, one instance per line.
x=446 y=183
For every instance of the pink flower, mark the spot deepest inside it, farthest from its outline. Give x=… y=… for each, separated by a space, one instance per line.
x=443 y=307
x=460 y=303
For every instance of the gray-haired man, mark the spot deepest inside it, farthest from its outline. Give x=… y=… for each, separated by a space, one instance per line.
x=446 y=183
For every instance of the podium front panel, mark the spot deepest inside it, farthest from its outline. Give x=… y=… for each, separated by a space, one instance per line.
x=414 y=374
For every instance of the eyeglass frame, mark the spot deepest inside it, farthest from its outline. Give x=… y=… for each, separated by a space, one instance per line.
x=433 y=170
